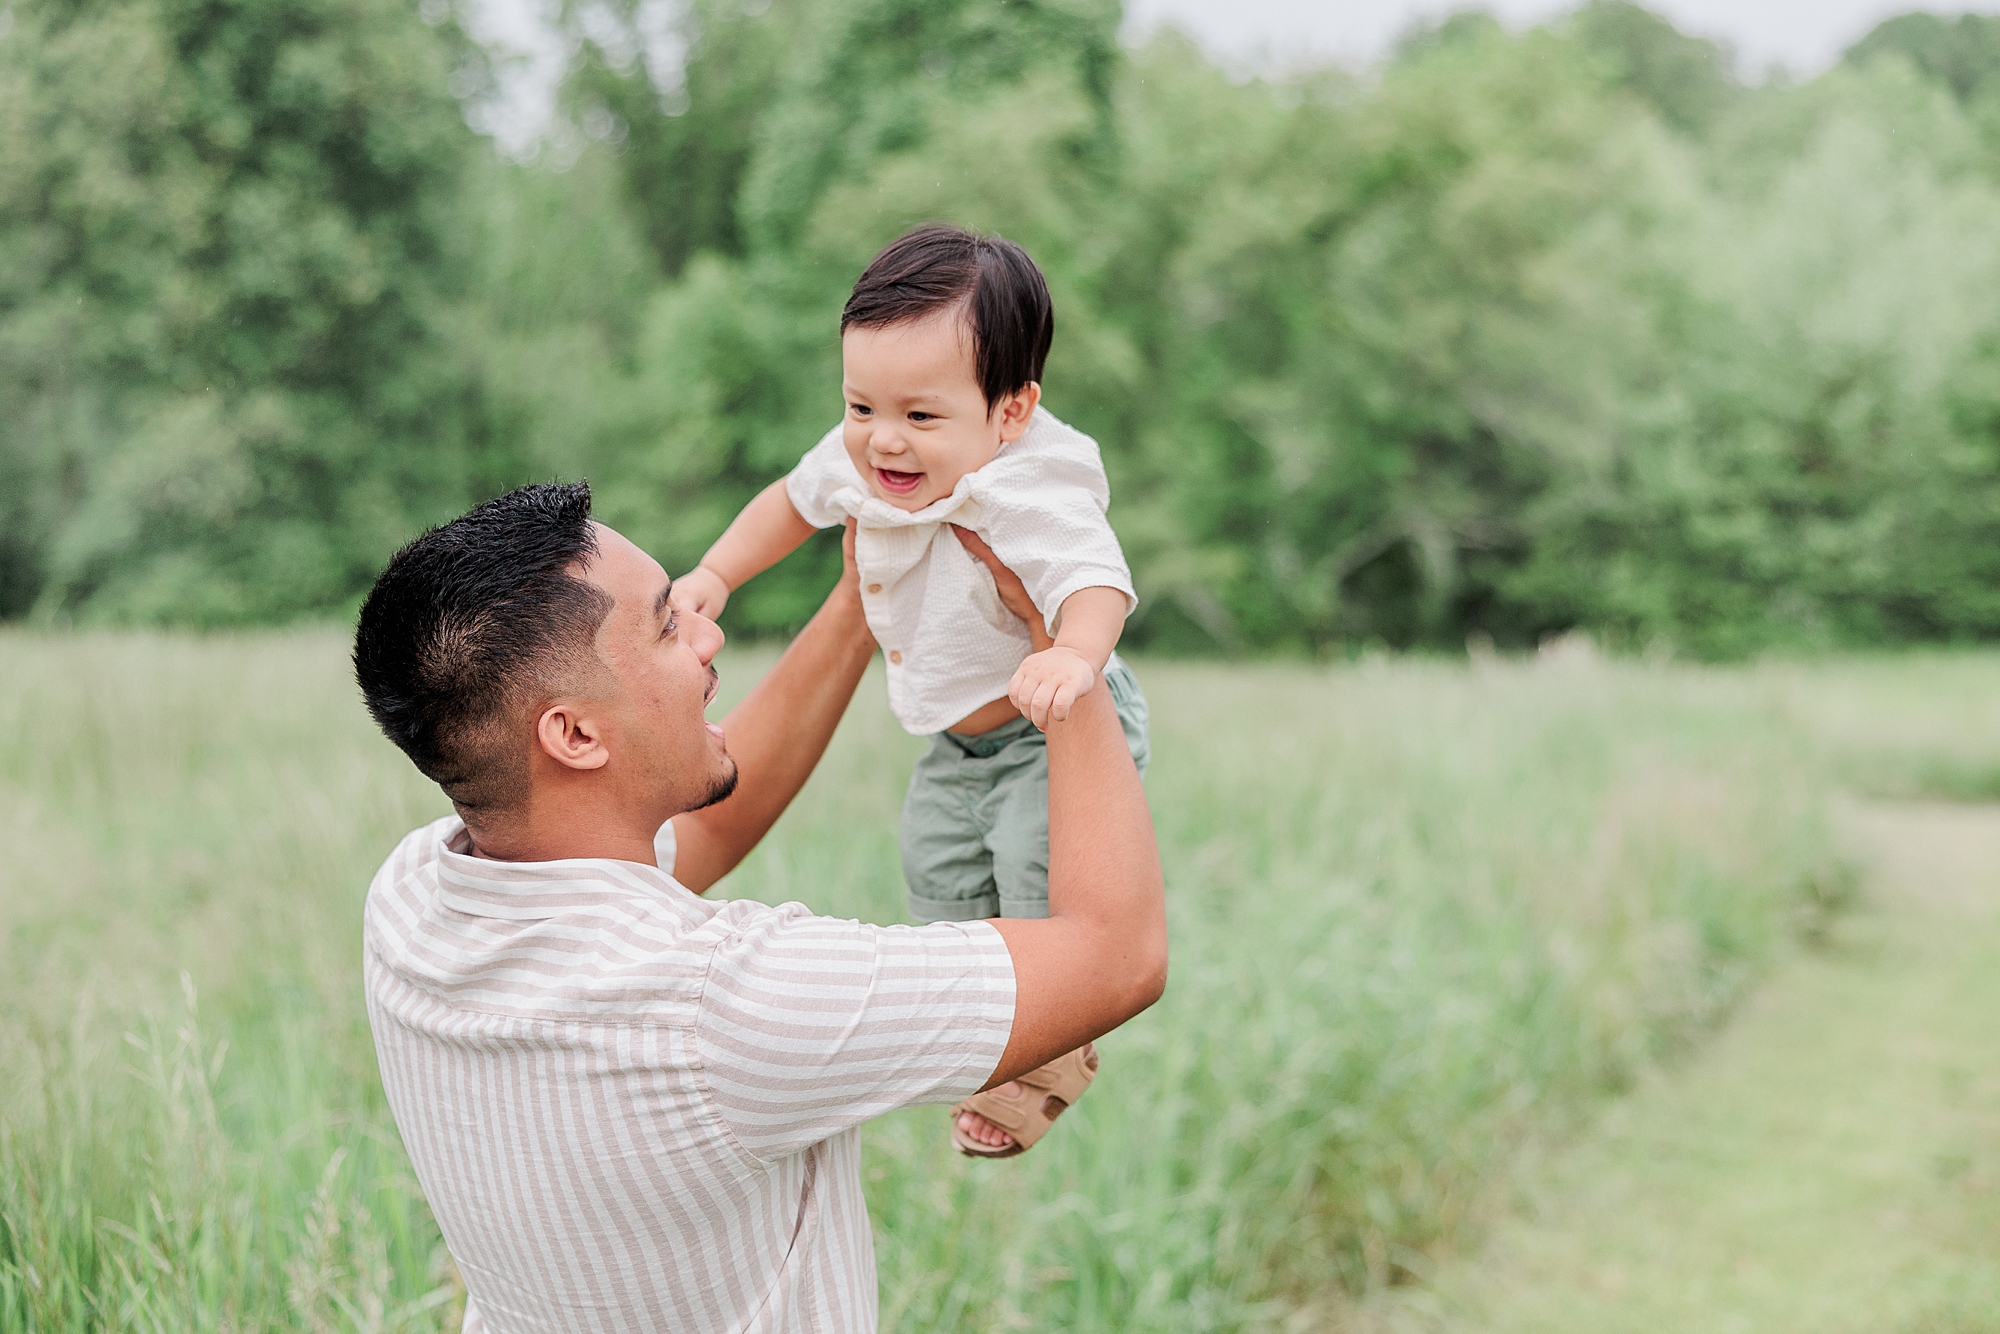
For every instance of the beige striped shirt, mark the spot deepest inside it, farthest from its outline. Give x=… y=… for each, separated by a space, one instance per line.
x=632 y=1108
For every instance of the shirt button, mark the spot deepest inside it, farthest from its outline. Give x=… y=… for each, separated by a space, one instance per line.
x=895 y=656
x=874 y=588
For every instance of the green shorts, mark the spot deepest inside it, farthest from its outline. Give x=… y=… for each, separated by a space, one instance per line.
x=976 y=818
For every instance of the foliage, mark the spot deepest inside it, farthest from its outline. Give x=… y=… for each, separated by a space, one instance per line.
x=1419 y=912
x=225 y=370
x=1963 y=53
x=1516 y=333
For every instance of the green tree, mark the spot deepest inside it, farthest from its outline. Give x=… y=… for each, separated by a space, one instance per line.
x=1688 y=81
x=689 y=144
x=1515 y=333
x=1400 y=319
x=227 y=228
x=1963 y=53
x=1822 y=467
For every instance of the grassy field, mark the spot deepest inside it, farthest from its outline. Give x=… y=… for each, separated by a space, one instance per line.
x=1423 y=913
x=1829 y=1164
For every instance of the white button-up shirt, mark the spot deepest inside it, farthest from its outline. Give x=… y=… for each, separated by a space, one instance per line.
x=950 y=644
x=633 y=1109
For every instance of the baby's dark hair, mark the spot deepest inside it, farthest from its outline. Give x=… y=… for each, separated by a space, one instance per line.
x=936 y=267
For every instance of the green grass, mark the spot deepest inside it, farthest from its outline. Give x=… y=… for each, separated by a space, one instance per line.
x=1422 y=913
x=1829 y=1165
x=1909 y=726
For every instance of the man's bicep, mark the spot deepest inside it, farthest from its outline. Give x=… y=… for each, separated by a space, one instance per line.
x=809 y=1026
x=1063 y=993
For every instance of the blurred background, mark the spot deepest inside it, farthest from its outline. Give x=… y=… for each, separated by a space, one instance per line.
x=1573 y=432
x=1395 y=326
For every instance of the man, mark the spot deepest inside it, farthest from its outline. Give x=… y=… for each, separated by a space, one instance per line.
x=630 y=1108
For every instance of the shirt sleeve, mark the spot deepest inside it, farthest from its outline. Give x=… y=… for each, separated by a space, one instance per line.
x=810 y=1025
x=1043 y=513
x=823 y=473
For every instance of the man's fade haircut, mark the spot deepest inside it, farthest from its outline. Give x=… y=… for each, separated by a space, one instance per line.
x=1005 y=297
x=469 y=624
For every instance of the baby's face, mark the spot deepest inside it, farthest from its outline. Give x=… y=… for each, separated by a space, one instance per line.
x=916 y=420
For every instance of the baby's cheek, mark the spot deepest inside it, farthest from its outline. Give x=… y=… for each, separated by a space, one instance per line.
x=855 y=438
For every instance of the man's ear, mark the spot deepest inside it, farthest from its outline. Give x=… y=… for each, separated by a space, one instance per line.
x=1016 y=409
x=570 y=737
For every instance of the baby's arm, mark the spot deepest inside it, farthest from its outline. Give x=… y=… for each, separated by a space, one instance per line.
x=768 y=530
x=1047 y=683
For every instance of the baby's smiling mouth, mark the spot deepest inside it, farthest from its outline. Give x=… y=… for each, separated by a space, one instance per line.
x=898 y=483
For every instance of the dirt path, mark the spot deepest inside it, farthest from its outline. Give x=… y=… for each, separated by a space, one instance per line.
x=1830 y=1163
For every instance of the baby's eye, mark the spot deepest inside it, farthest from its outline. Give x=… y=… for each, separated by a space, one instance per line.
x=922 y=416
x=859 y=409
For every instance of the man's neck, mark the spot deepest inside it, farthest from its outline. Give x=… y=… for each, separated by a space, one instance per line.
x=555 y=836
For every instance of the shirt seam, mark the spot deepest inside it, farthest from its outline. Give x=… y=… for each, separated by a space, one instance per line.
x=1013 y=991
x=538 y=1016
x=698 y=1069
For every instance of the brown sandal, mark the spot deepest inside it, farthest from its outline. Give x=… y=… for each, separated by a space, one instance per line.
x=1044 y=1094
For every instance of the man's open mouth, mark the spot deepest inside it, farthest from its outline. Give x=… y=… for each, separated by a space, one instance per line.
x=708 y=698
x=898 y=483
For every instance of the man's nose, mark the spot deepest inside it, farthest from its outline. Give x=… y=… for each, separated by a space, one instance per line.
x=707 y=637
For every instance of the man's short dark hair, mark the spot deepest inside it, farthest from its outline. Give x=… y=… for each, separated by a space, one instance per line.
x=472 y=623
x=1005 y=297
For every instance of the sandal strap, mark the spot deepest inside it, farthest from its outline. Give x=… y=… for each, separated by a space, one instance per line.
x=1027 y=1115
x=1067 y=1076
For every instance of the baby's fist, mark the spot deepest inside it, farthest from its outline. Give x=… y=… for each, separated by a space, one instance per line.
x=700 y=591
x=1047 y=683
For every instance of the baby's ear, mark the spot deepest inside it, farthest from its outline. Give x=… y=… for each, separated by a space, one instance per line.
x=1017 y=409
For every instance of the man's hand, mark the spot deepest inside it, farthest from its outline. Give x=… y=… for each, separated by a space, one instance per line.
x=1047 y=683
x=850 y=568
x=1013 y=593
x=702 y=591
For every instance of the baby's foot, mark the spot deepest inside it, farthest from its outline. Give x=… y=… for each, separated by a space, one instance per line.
x=1031 y=1105
x=976 y=1127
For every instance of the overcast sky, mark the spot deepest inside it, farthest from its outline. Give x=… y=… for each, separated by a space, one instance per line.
x=1805 y=36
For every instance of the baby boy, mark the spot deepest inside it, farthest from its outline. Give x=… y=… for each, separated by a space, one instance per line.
x=943 y=342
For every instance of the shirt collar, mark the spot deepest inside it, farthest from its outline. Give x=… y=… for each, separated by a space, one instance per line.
x=532 y=891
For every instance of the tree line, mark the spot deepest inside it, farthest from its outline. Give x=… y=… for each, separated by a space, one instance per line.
x=1512 y=333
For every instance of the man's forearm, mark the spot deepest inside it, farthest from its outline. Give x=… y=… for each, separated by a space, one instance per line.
x=1104 y=859
x=776 y=736
x=1101 y=954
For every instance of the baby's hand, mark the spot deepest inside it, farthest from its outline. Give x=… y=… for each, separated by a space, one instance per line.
x=1047 y=683
x=700 y=591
